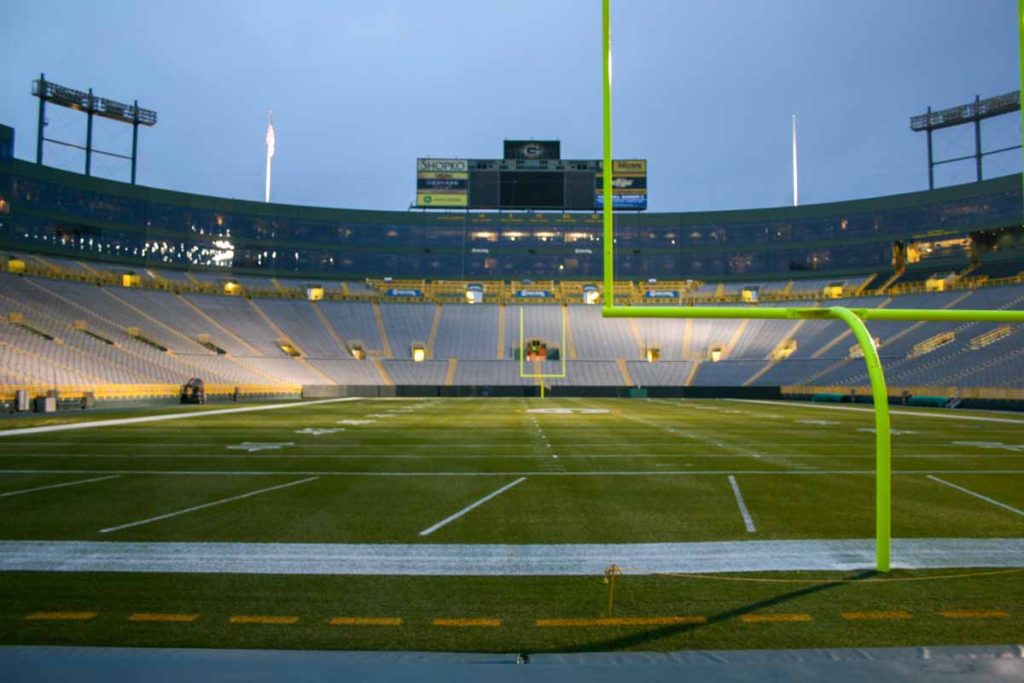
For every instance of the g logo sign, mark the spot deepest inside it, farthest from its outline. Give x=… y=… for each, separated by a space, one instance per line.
x=533 y=151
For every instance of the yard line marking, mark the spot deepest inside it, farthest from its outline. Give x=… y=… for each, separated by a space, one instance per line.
x=450 y=559
x=773 y=618
x=914 y=413
x=462 y=623
x=169 y=618
x=431 y=529
x=258 y=619
x=975 y=614
x=206 y=505
x=620 y=621
x=977 y=495
x=873 y=616
x=366 y=621
x=476 y=456
x=531 y=473
x=163 y=418
x=748 y=522
x=60 y=616
x=57 y=486
x=473 y=456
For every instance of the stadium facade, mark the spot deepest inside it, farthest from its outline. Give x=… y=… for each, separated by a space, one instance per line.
x=117 y=291
x=49 y=211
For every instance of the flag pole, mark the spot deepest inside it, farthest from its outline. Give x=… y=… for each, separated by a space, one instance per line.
x=270 y=151
x=796 y=194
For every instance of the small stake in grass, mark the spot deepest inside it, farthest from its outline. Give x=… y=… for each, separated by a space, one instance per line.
x=609 y=578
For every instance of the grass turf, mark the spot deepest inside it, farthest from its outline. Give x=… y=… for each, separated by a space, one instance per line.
x=643 y=471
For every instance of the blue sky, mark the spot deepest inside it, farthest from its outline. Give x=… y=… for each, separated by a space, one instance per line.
x=360 y=89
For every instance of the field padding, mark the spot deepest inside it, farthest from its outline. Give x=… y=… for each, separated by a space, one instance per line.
x=502 y=560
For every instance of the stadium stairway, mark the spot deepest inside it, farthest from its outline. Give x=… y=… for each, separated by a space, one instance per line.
x=627 y=379
x=329 y=328
x=291 y=340
x=502 y=309
x=216 y=325
x=435 y=324
x=382 y=333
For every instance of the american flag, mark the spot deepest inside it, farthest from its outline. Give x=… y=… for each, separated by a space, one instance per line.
x=270 y=135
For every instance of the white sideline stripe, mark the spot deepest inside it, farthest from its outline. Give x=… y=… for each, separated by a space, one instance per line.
x=163 y=418
x=538 y=473
x=570 y=559
x=944 y=416
x=977 y=495
x=747 y=520
x=205 y=505
x=431 y=529
x=987 y=454
x=58 y=486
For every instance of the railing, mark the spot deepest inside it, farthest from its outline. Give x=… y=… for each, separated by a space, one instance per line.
x=497 y=292
x=141 y=391
x=864 y=392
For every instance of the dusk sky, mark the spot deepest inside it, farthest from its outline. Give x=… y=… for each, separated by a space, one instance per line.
x=360 y=89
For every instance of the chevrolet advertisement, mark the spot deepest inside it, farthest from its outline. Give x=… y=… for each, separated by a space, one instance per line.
x=629 y=185
x=442 y=183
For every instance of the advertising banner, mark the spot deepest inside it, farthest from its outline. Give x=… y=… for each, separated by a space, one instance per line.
x=442 y=183
x=629 y=185
x=619 y=201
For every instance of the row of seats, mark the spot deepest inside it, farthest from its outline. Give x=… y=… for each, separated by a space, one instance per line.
x=114 y=334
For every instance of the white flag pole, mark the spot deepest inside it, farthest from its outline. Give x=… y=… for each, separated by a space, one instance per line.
x=796 y=193
x=270 y=151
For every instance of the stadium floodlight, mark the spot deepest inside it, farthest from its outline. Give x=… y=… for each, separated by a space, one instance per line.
x=974 y=112
x=92 y=106
x=853 y=317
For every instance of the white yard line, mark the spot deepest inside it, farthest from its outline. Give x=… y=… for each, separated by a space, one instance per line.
x=162 y=418
x=748 y=521
x=443 y=559
x=205 y=505
x=547 y=444
x=942 y=416
x=524 y=473
x=977 y=495
x=987 y=454
x=431 y=529
x=596 y=473
x=58 y=486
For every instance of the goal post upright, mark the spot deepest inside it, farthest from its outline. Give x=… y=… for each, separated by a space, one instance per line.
x=854 y=318
x=541 y=376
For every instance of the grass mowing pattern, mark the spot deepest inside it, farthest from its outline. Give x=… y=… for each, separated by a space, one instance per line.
x=644 y=471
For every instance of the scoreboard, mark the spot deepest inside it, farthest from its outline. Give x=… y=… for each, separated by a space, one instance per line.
x=530 y=177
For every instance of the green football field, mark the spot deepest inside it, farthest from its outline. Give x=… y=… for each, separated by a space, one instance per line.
x=487 y=524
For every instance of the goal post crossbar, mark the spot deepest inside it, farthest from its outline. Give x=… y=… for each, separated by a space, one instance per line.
x=522 y=353
x=853 y=317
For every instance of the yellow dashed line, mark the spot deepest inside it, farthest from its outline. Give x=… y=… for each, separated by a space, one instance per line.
x=467 y=622
x=974 y=614
x=258 y=619
x=60 y=616
x=620 y=621
x=150 y=616
x=366 y=621
x=875 y=616
x=764 y=618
